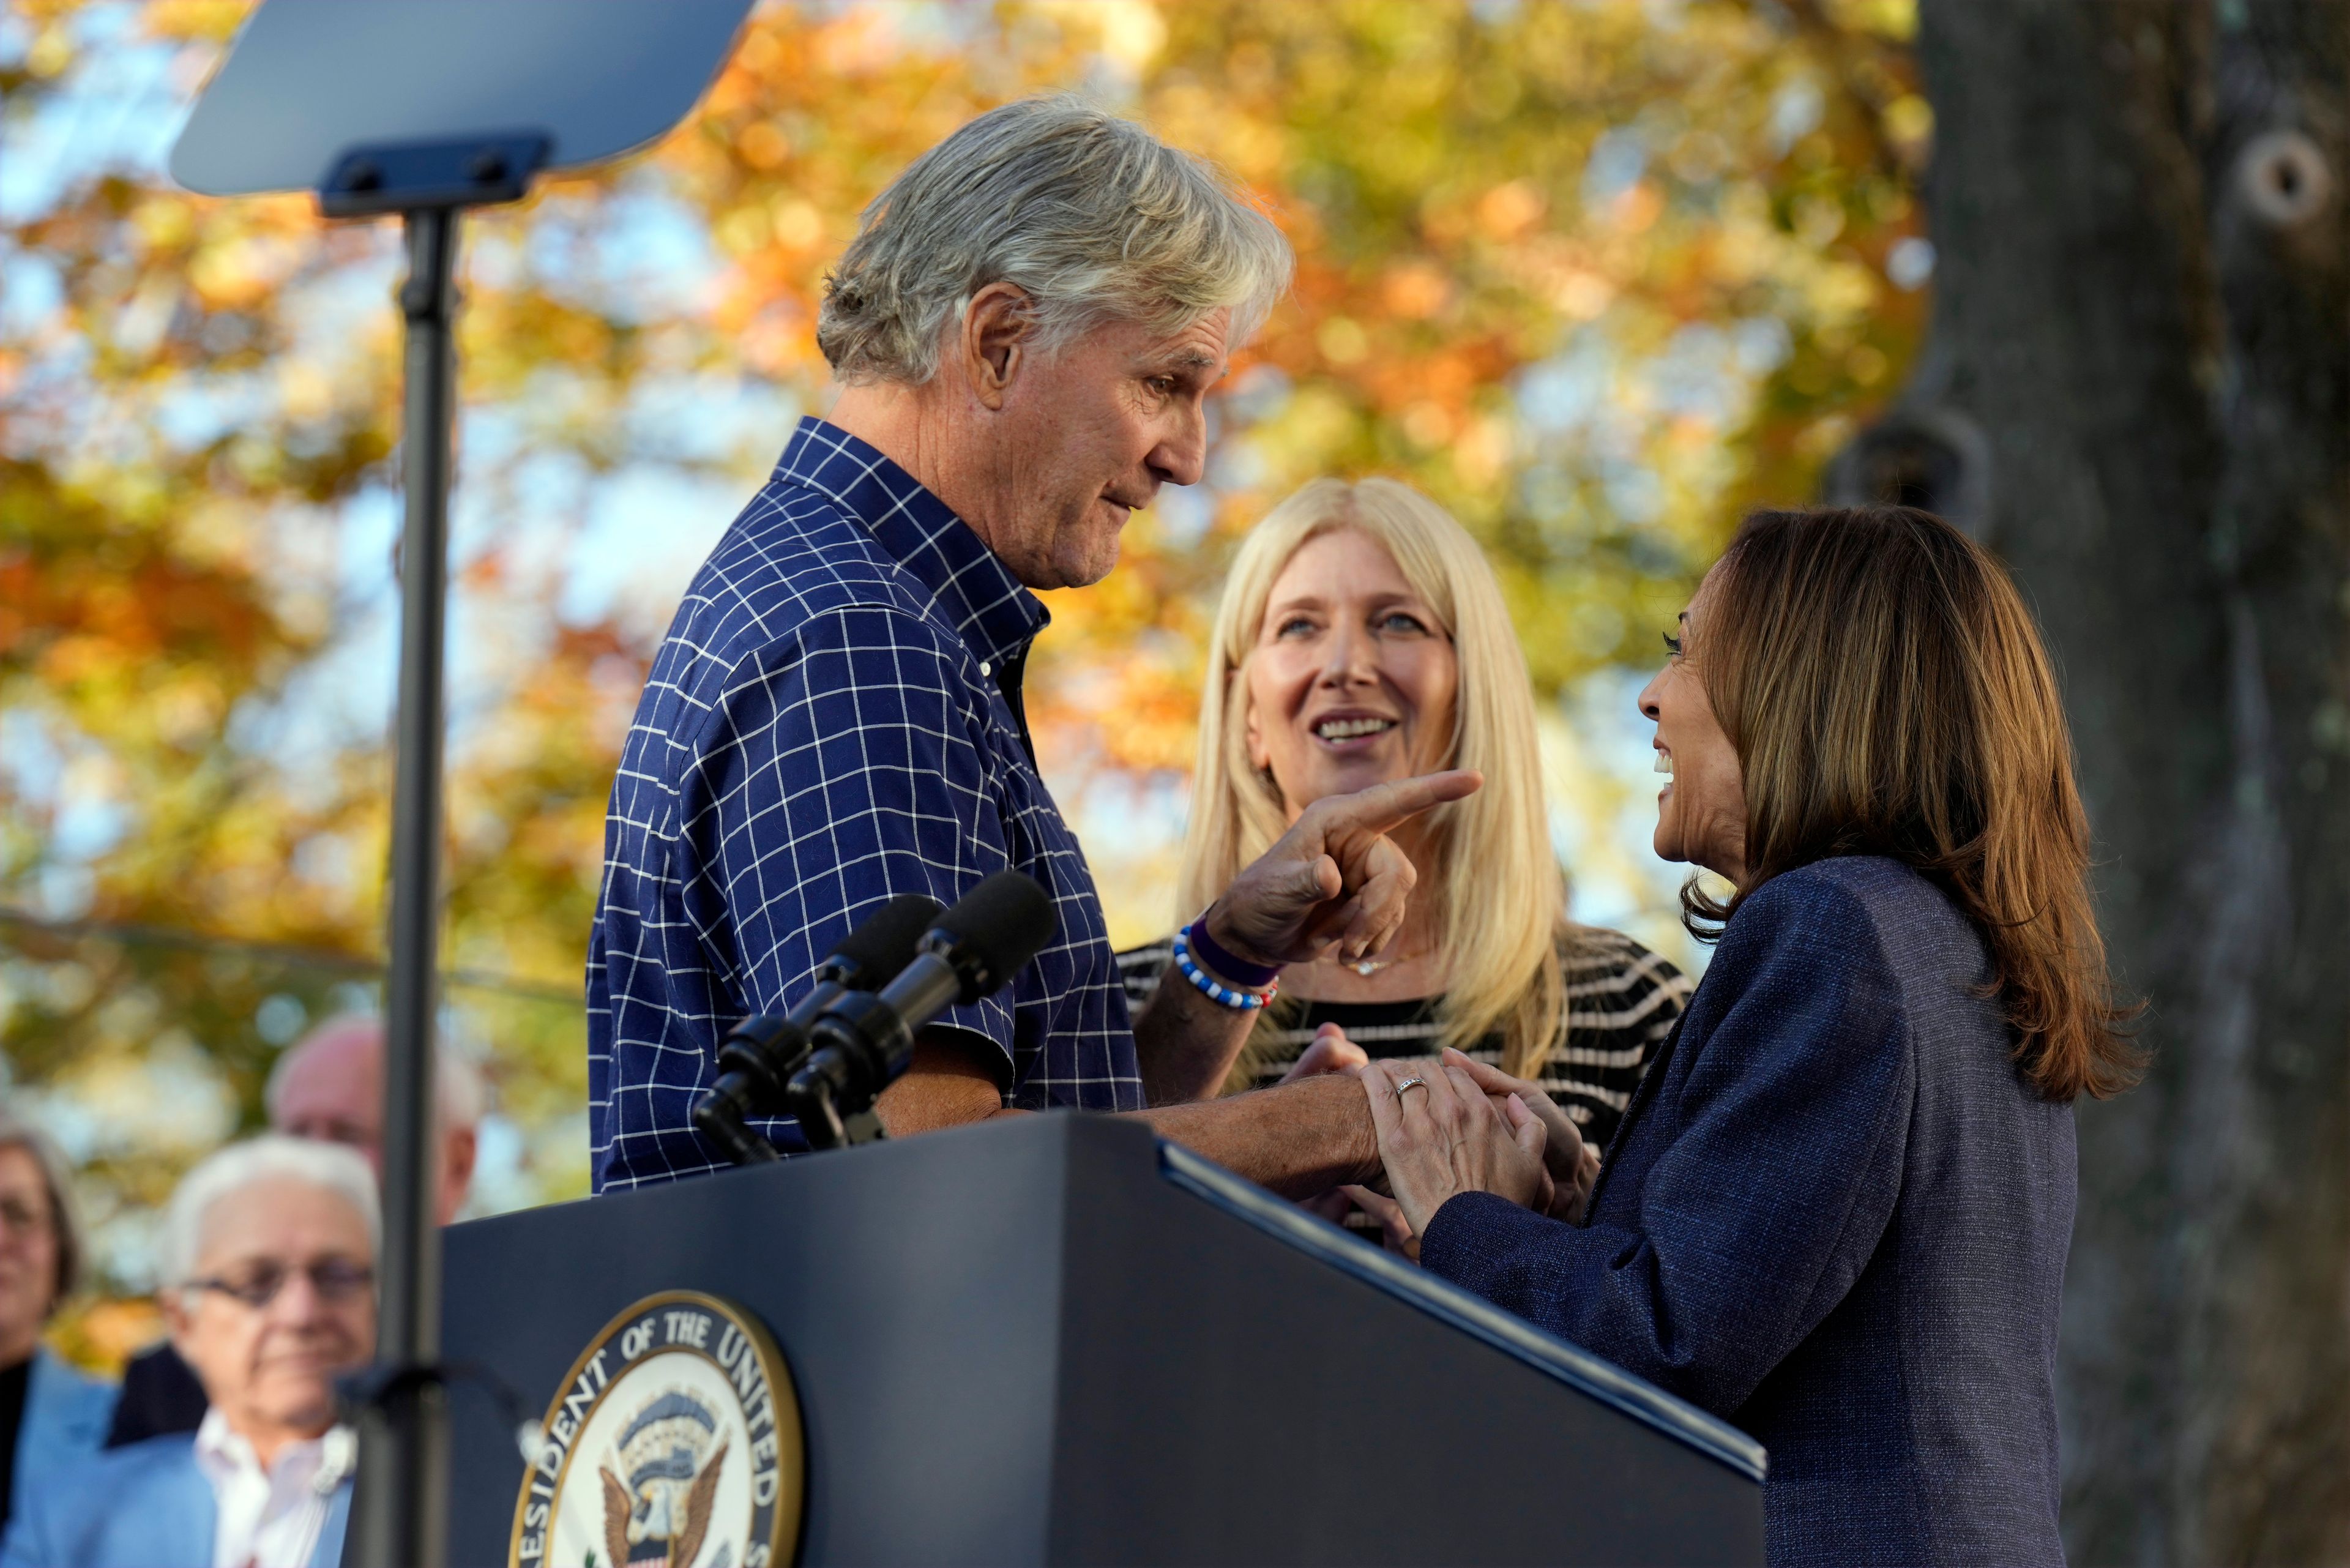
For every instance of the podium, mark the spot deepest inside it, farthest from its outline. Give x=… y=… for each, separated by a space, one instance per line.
x=1054 y=1339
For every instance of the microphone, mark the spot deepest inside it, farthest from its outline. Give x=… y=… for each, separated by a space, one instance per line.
x=864 y=1039
x=759 y=1056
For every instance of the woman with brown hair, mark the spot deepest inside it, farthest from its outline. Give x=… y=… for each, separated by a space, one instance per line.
x=1838 y=1209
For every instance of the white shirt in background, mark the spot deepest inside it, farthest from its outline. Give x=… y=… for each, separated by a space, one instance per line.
x=270 y=1519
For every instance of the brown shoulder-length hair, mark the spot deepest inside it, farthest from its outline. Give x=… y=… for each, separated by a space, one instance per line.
x=1888 y=693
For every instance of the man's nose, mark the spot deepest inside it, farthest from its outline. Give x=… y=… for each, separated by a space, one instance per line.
x=1181 y=455
x=298 y=1301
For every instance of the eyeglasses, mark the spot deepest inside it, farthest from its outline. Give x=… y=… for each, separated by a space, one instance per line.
x=335 y=1280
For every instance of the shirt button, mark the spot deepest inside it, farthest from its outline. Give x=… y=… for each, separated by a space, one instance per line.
x=986 y=669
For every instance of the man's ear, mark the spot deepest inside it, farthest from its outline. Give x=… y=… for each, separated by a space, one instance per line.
x=996 y=330
x=461 y=1148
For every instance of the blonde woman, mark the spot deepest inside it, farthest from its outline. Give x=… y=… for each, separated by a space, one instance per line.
x=1362 y=638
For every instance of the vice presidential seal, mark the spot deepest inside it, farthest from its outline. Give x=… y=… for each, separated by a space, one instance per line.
x=675 y=1440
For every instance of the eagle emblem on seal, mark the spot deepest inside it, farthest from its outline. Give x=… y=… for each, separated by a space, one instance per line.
x=673 y=1442
x=656 y=1506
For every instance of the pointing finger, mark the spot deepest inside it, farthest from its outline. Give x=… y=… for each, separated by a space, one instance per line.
x=1383 y=806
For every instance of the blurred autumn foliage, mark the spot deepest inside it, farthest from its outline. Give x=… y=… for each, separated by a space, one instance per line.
x=1596 y=275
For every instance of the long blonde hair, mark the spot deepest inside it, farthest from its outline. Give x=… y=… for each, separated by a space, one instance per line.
x=1499 y=899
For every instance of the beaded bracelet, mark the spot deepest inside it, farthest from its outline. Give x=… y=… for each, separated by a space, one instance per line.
x=1215 y=990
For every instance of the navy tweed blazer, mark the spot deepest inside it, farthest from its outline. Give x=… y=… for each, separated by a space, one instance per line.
x=1836 y=1216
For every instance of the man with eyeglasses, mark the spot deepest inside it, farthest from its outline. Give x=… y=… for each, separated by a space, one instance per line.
x=268 y=1252
x=327 y=1086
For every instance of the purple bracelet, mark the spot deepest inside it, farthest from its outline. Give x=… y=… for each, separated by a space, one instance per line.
x=1209 y=951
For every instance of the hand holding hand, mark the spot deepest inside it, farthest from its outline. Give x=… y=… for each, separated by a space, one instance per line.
x=1573 y=1164
x=1331 y=1051
x=1440 y=1134
x=1335 y=878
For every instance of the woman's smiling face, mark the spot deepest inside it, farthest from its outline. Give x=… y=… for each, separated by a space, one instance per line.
x=1353 y=678
x=1701 y=809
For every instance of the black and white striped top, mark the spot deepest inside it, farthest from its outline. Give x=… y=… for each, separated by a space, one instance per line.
x=1621 y=1001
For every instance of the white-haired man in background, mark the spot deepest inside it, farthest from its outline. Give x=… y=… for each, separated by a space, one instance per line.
x=328 y=1085
x=269 y=1257
x=1026 y=327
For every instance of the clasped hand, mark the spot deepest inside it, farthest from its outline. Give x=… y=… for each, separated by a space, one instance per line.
x=1468 y=1128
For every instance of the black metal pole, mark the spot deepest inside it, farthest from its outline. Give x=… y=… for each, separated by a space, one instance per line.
x=403 y=1488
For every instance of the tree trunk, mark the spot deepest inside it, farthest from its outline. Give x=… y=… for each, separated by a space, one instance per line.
x=2141 y=308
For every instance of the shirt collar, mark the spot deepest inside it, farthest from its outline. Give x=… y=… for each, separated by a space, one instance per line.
x=988 y=607
x=219 y=1449
x=321 y=1461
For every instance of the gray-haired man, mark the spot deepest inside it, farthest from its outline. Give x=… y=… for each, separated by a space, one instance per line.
x=1027 y=325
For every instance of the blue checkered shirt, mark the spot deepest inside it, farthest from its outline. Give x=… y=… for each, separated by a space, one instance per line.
x=833 y=720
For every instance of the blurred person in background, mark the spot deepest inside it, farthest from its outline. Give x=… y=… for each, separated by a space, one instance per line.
x=329 y=1086
x=51 y=1416
x=1362 y=637
x=269 y=1254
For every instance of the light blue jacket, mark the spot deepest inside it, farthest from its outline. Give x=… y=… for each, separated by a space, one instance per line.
x=66 y=1415
x=145 y=1506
